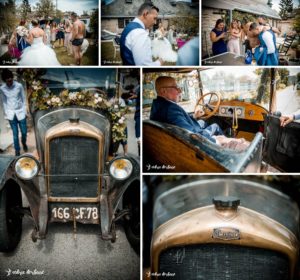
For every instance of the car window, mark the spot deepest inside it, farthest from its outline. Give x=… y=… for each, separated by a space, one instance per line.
x=249 y=84
x=79 y=79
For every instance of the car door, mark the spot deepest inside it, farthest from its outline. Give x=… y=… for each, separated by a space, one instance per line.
x=282 y=144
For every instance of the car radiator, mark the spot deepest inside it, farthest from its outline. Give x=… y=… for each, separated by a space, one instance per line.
x=223 y=261
x=73 y=166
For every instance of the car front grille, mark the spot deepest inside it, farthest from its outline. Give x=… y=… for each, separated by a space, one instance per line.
x=73 y=166
x=222 y=262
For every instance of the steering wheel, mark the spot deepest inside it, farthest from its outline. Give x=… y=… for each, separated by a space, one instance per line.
x=209 y=108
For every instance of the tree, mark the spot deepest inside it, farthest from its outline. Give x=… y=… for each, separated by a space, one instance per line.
x=286 y=7
x=284 y=75
x=270 y=4
x=8 y=17
x=94 y=24
x=25 y=9
x=45 y=9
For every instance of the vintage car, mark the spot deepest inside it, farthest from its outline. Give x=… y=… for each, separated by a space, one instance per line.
x=244 y=107
x=216 y=228
x=75 y=175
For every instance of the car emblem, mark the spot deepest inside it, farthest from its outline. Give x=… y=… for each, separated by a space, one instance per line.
x=226 y=233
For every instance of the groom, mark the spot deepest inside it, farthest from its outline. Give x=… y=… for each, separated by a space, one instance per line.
x=135 y=41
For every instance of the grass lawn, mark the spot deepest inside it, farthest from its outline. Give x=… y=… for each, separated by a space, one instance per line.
x=107 y=55
x=91 y=57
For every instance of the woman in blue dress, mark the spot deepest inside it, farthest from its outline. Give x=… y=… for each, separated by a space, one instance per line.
x=217 y=36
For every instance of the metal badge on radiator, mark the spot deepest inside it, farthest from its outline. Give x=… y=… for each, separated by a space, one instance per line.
x=226 y=233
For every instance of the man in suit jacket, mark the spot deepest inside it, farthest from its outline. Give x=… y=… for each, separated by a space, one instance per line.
x=164 y=109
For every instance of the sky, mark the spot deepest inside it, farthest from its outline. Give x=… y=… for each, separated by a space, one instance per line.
x=276 y=4
x=77 y=6
x=247 y=71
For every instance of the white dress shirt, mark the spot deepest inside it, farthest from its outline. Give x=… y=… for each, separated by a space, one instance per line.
x=268 y=39
x=14 y=101
x=139 y=42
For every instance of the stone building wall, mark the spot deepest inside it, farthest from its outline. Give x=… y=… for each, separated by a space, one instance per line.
x=208 y=22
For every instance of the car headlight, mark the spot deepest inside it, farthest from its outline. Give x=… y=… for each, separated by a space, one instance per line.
x=121 y=168
x=26 y=167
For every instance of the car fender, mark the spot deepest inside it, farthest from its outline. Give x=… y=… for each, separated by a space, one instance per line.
x=29 y=188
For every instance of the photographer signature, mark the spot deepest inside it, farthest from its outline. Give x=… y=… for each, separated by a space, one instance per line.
x=24 y=272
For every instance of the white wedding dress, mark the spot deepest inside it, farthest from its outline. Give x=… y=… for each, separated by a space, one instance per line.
x=38 y=54
x=161 y=48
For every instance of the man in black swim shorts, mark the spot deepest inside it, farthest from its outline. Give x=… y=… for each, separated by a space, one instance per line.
x=77 y=42
x=78 y=34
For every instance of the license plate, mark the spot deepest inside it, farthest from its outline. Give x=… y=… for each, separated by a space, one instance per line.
x=82 y=214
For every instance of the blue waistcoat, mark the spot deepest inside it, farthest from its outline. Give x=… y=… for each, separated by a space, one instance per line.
x=126 y=54
x=263 y=58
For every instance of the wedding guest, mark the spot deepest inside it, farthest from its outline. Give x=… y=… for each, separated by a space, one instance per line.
x=19 y=36
x=171 y=35
x=48 y=33
x=53 y=33
x=77 y=38
x=262 y=20
x=68 y=34
x=266 y=52
x=217 y=36
x=135 y=41
x=60 y=36
x=233 y=44
x=14 y=105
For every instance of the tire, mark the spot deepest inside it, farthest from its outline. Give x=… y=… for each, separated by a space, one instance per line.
x=132 y=226
x=10 y=221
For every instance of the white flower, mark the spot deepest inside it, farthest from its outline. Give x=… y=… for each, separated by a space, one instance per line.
x=120 y=121
x=116 y=107
x=96 y=101
x=49 y=102
x=100 y=99
x=53 y=99
x=96 y=95
x=57 y=100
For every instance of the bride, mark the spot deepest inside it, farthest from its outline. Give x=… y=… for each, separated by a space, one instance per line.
x=161 y=46
x=38 y=54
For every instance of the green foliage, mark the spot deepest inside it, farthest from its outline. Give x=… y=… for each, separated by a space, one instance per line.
x=94 y=24
x=189 y=24
x=41 y=98
x=298 y=77
x=296 y=22
x=286 y=7
x=270 y=4
x=25 y=9
x=283 y=74
x=45 y=9
x=243 y=17
x=8 y=17
x=263 y=91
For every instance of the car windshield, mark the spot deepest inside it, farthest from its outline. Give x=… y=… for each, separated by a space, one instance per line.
x=249 y=84
x=79 y=79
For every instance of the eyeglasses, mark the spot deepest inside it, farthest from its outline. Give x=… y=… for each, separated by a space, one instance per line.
x=175 y=87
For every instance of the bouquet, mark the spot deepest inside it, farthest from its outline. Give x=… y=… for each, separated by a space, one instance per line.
x=22 y=31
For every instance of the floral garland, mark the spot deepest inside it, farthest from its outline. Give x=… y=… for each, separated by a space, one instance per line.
x=42 y=99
